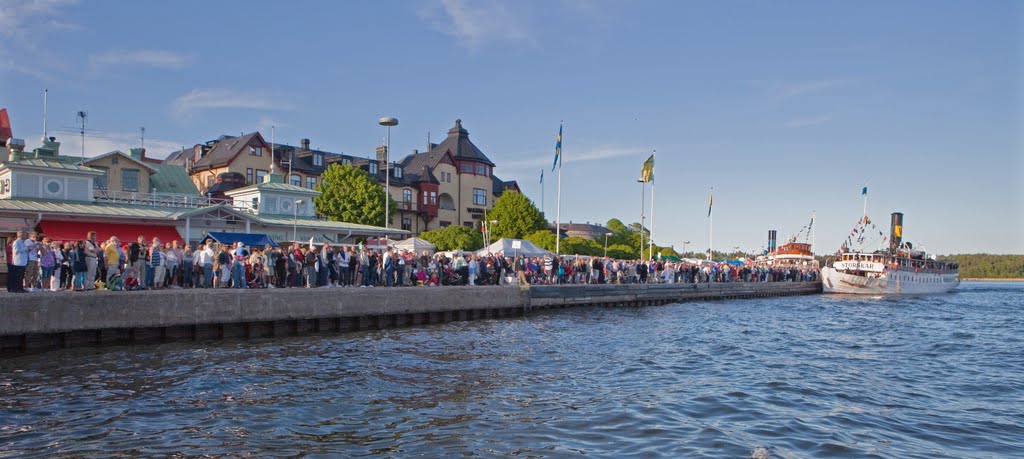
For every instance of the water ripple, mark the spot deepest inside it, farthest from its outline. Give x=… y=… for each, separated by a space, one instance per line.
x=818 y=376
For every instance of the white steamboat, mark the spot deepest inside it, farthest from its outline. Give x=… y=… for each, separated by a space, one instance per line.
x=898 y=270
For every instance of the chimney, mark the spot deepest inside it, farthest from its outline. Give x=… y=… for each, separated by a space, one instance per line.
x=382 y=154
x=771 y=241
x=305 y=144
x=896 y=231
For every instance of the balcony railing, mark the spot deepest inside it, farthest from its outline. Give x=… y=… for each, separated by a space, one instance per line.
x=153 y=199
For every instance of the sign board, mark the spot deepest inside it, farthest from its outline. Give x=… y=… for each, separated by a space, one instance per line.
x=5 y=187
x=517 y=244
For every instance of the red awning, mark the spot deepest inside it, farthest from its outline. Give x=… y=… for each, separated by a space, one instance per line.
x=73 y=231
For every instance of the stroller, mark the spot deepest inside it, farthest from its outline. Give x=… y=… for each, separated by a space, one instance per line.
x=253 y=277
x=451 y=277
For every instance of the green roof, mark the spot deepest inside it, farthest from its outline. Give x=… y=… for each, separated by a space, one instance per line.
x=51 y=163
x=172 y=179
x=273 y=186
x=326 y=224
x=86 y=208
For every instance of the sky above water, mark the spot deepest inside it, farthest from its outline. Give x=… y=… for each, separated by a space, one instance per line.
x=784 y=108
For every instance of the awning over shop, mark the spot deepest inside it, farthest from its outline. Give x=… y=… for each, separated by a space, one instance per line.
x=127 y=233
x=251 y=240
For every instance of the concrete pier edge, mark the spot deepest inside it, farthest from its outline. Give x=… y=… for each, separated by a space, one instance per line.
x=32 y=322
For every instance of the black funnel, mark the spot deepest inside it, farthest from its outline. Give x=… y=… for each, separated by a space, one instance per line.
x=896 y=231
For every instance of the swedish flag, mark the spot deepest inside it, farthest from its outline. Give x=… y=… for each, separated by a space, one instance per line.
x=647 y=173
x=558 y=150
x=711 y=199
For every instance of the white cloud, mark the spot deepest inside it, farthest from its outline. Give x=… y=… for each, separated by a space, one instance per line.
x=106 y=142
x=215 y=98
x=152 y=58
x=805 y=87
x=474 y=23
x=583 y=155
x=809 y=121
x=19 y=17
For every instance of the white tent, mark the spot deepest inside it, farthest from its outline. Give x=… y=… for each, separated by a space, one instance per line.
x=512 y=247
x=415 y=244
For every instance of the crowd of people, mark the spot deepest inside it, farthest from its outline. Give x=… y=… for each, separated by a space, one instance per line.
x=36 y=263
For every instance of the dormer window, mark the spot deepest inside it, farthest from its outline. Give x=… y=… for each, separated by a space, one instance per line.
x=373 y=168
x=255 y=151
x=318 y=159
x=346 y=161
x=398 y=171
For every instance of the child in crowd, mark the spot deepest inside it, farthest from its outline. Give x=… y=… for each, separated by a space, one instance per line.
x=116 y=282
x=131 y=280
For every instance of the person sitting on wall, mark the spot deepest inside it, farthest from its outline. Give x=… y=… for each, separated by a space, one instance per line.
x=115 y=283
x=131 y=280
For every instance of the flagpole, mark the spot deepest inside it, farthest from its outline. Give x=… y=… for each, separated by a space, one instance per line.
x=650 y=250
x=865 y=202
x=643 y=195
x=813 y=229
x=711 y=226
x=542 y=209
x=558 y=206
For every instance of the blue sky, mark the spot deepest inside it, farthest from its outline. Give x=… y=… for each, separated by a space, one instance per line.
x=783 y=107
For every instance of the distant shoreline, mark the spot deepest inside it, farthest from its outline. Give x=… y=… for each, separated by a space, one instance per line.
x=993 y=279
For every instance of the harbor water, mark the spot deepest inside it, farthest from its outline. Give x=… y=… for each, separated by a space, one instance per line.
x=806 y=376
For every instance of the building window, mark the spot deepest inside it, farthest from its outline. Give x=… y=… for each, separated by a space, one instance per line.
x=433 y=198
x=129 y=179
x=398 y=171
x=114 y=159
x=311 y=183
x=467 y=224
x=407 y=223
x=255 y=151
x=260 y=175
x=373 y=168
x=346 y=161
x=407 y=196
x=466 y=168
x=100 y=182
x=479 y=197
x=248 y=176
x=296 y=180
x=445 y=224
x=449 y=174
x=255 y=203
x=318 y=159
x=481 y=169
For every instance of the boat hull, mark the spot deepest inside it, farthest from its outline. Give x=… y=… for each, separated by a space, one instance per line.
x=890 y=283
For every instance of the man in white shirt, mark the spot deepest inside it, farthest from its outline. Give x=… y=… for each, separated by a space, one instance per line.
x=19 y=260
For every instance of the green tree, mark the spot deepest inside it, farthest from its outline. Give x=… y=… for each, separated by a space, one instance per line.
x=544 y=239
x=455 y=237
x=622 y=252
x=580 y=246
x=516 y=215
x=349 y=194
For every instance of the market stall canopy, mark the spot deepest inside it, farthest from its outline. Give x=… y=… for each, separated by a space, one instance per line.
x=415 y=244
x=127 y=233
x=512 y=247
x=250 y=240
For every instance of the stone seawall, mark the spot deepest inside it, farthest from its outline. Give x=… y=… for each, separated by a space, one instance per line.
x=65 y=319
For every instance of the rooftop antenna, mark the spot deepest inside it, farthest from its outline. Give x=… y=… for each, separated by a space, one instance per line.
x=82 y=115
x=44 y=113
x=142 y=137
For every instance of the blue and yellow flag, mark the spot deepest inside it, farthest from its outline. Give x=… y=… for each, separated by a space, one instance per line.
x=711 y=199
x=647 y=172
x=558 y=150
x=864 y=192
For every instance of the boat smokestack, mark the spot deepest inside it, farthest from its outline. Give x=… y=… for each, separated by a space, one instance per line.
x=771 y=241
x=896 y=231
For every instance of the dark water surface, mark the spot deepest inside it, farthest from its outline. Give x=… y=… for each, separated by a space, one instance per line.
x=814 y=376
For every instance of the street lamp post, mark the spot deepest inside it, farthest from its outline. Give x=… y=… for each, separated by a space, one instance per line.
x=606 y=244
x=295 y=219
x=684 y=246
x=387 y=121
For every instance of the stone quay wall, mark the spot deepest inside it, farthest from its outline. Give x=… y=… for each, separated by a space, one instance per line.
x=38 y=321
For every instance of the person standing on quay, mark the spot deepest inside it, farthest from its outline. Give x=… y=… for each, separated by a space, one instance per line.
x=238 y=266
x=156 y=264
x=58 y=265
x=19 y=261
x=137 y=258
x=111 y=256
x=92 y=250
x=204 y=260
